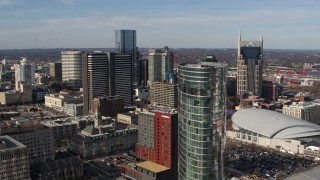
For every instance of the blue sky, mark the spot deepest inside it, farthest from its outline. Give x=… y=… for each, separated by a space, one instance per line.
x=285 y=24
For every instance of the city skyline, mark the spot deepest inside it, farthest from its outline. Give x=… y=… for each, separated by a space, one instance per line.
x=202 y=24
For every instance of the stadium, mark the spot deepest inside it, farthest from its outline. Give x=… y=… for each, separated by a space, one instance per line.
x=275 y=130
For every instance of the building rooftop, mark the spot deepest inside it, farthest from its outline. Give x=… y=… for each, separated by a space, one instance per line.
x=148 y=165
x=273 y=124
x=303 y=105
x=57 y=123
x=7 y=142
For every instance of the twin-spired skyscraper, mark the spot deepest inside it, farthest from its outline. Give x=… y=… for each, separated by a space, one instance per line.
x=201 y=114
x=249 y=67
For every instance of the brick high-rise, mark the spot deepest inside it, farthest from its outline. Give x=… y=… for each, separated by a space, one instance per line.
x=158 y=138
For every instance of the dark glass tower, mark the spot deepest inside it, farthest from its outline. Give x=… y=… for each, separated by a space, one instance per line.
x=126 y=42
x=201 y=94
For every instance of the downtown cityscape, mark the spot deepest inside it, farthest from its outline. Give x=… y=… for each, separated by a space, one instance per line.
x=157 y=95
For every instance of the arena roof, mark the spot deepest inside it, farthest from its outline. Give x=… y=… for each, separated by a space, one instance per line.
x=273 y=124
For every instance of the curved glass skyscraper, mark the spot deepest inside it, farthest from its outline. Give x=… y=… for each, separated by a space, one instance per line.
x=202 y=90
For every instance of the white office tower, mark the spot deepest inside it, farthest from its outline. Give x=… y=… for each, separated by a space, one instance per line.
x=24 y=72
x=72 y=69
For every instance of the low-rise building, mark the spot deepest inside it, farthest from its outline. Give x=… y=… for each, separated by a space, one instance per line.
x=14 y=160
x=146 y=170
x=72 y=109
x=62 y=128
x=57 y=101
x=303 y=110
x=38 y=138
x=127 y=118
x=91 y=145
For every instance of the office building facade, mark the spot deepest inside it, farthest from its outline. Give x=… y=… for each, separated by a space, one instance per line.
x=249 y=67
x=142 y=72
x=55 y=71
x=96 y=76
x=126 y=41
x=160 y=64
x=72 y=69
x=24 y=72
x=14 y=160
x=201 y=96
x=121 y=81
x=164 y=94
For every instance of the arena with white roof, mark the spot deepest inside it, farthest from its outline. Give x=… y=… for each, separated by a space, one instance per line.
x=275 y=130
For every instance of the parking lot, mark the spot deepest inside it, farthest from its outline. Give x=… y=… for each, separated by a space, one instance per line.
x=261 y=163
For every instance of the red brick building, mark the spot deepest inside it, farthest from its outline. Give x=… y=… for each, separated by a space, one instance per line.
x=158 y=138
x=109 y=106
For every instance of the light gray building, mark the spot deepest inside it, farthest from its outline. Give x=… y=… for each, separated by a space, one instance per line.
x=14 y=160
x=72 y=68
x=201 y=92
x=249 y=67
x=38 y=139
x=62 y=128
x=91 y=145
x=24 y=72
x=160 y=64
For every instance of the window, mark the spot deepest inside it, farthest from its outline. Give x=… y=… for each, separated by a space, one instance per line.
x=255 y=139
x=243 y=136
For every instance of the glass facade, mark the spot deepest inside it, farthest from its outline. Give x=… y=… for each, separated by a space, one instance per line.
x=202 y=91
x=126 y=41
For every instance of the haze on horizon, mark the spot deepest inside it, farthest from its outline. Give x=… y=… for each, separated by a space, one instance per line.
x=286 y=24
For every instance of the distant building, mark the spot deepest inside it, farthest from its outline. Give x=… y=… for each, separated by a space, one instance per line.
x=249 y=64
x=55 y=71
x=304 y=110
x=71 y=62
x=91 y=145
x=109 y=106
x=270 y=90
x=231 y=86
x=73 y=109
x=126 y=41
x=23 y=95
x=127 y=118
x=96 y=78
x=14 y=160
x=126 y=44
x=24 y=72
x=160 y=63
x=142 y=72
x=112 y=78
x=57 y=100
x=121 y=78
x=164 y=94
x=61 y=128
x=158 y=132
x=38 y=139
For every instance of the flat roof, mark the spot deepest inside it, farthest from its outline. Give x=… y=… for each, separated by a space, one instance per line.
x=152 y=166
x=11 y=143
x=273 y=124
